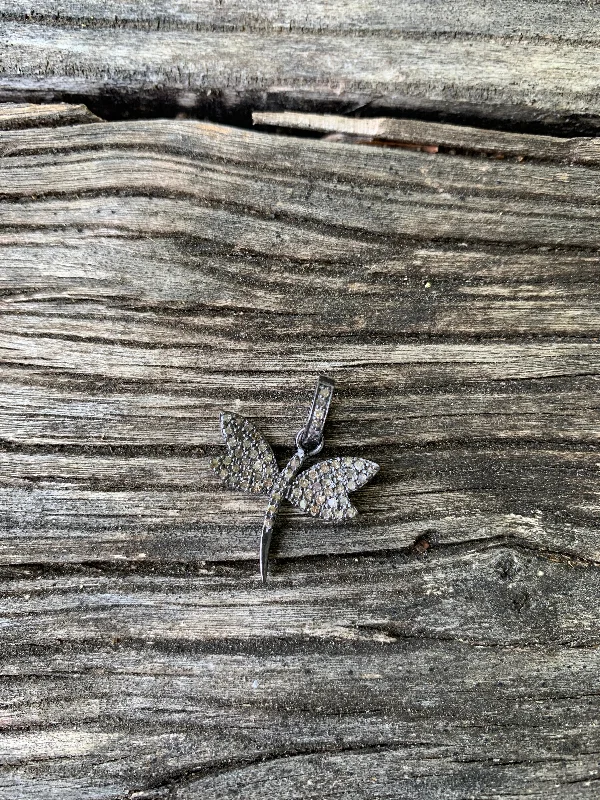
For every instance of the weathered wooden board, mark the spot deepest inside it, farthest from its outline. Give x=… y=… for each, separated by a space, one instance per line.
x=31 y=115
x=444 y=644
x=520 y=62
x=437 y=137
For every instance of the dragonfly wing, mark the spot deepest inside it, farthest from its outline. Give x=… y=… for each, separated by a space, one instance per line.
x=323 y=489
x=249 y=463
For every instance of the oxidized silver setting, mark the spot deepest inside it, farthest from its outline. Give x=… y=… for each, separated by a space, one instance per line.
x=321 y=490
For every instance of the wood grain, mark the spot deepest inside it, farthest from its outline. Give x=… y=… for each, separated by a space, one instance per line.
x=385 y=130
x=532 y=62
x=32 y=115
x=446 y=642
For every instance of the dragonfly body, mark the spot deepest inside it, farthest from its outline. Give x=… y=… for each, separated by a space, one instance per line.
x=279 y=492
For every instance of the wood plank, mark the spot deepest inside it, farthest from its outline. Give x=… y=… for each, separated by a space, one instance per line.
x=445 y=643
x=27 y=115
x=526 y=63
x=452 y=669
x=578 y=150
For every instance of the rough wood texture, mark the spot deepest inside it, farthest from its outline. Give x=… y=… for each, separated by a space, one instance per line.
x=30 y=115
x=443 y=137
x=446 y=644
x=523 y=62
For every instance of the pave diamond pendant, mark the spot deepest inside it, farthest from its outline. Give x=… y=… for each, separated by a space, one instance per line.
x=321 y=490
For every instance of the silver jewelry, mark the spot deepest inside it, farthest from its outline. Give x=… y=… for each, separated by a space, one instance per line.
x=321 y=490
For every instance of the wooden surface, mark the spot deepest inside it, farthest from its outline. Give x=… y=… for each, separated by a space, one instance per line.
x=30 y=115
x=513 y=62
x=435 y=137
x=446 y=643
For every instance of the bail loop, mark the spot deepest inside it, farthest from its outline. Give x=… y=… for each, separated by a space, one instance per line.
x=310 y=438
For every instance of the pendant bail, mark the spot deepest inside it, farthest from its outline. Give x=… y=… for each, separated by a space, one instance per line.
x=310 y=438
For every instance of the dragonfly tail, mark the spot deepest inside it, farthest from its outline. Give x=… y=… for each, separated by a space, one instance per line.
x=278 y=493
x=265 y=543
x=266 y=535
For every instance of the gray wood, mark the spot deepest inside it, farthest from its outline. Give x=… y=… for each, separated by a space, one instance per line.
x=521 y=62
x=446 y=643
x=577 y=150
x=31 y=115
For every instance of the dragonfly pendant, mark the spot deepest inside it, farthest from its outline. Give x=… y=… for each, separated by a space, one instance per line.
x=321 y=490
